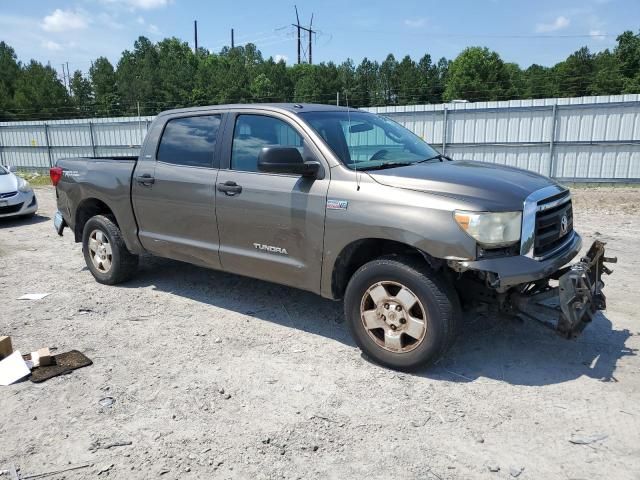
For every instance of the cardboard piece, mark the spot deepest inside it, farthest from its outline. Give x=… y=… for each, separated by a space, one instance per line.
x=13 y=368
x=44 y=356
x=6 y=348
x=33 y=296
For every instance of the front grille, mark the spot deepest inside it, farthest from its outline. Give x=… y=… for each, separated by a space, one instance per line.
x=10 y=209
x=549 y=231
x=8 y=194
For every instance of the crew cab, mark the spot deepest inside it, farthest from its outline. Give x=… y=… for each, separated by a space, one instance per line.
x=343 y=203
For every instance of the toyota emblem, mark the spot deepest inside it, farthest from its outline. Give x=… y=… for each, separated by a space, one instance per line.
x=564 y=224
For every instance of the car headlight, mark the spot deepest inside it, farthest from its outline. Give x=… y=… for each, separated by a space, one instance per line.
x=24 y=186
x=492 y=229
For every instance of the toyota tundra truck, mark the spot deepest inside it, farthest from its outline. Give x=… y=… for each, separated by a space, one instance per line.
x=343 y=203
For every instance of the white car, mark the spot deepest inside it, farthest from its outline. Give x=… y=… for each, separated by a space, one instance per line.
x=16 y=195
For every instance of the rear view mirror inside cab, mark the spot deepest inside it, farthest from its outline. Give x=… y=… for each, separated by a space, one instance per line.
x=360 y=127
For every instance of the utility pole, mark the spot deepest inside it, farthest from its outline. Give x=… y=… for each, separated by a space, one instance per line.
x=310 y=36
x=233 y=43
x=310 y=32
x=298 y=25
x=195 y=35
x=64 y=79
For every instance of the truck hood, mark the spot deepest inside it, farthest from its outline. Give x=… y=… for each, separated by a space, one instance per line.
x=486 y=185
x=8 y=183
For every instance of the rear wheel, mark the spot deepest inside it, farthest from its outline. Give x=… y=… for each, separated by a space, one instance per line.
x=401 y=313
x=105 y=252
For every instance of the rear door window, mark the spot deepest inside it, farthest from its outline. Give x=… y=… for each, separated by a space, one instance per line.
x=190 y=141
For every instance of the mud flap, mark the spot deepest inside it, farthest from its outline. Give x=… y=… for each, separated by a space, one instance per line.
x=574 y=301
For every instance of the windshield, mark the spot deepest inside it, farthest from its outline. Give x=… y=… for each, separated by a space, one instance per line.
x=3 y=171
x=366 y=141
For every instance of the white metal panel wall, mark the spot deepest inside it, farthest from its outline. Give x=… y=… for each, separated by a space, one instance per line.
x=580 y=139
x=38 y=144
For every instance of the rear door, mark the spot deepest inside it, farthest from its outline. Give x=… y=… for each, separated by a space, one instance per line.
x=173 y=193
x=271 y=225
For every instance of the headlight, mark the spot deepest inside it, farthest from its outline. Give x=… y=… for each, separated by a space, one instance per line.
x=24 y=186
x=493 y=229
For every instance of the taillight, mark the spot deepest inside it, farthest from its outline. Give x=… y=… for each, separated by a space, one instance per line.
x=56 y=174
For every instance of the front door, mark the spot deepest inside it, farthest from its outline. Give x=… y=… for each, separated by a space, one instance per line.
x=271 y=225
x=174 y=197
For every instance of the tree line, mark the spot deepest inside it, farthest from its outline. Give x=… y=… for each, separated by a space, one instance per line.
x=156 y=76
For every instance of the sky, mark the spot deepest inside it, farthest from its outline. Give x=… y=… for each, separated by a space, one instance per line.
x=521 y=31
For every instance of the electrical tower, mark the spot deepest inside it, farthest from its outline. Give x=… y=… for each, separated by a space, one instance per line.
x=310 y=32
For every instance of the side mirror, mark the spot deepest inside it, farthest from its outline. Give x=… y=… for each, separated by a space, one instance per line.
x=286 y=160
x=12 y=168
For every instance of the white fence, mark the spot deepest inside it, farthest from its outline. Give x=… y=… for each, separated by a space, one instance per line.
x=592 y=139
x=589 y=139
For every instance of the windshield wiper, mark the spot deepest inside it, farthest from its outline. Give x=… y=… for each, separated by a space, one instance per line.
x=387 y=165
x=440 y=157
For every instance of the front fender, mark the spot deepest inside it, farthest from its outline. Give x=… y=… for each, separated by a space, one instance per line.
x=420 y=220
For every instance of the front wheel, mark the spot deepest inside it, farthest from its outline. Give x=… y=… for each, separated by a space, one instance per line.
x=105 y=252
x=401 y=313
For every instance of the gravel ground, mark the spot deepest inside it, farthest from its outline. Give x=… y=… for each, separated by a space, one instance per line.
x=217 y=376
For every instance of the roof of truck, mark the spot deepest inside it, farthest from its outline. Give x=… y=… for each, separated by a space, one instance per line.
x=289 y=107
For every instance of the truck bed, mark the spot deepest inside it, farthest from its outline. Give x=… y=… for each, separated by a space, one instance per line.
x=88 y=183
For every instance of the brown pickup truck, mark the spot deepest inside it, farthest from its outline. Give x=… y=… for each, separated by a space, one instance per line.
x=342 y=203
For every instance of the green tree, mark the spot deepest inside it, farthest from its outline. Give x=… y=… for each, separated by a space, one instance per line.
x=40 y=93
x=367 y=91
x=430 y=82
x=607 y=78
x=347 y=79
x=103 y=82
x=278 y=75
x=81 y=92
x=538 y=82
x=177 y=66
x=632 y=85
x=517 y=82
x=233 y=76
x=9 y=73
x=138 y=81
x=388 y=79
x=628 y=53
x=408 y=82
x=477 y=75
x=206 y=89
x=261 y=88
x=575 y=74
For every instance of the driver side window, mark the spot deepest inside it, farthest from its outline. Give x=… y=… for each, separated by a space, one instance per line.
x=252 y=133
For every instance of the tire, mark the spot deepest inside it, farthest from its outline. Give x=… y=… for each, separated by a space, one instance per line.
x=396 y=344
x=109 y=268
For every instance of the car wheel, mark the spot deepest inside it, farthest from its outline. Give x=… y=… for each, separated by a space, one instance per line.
x=401 y=313
x=105 y=252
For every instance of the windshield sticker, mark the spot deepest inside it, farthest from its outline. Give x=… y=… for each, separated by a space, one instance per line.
x=337 y=204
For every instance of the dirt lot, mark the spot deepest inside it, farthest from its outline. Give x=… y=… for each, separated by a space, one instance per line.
x=219 y=376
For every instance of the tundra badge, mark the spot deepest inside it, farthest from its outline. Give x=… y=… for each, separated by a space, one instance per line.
x=271 y=248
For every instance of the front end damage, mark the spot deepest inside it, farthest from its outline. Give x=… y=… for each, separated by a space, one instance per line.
x=540 y=282
x=564 y=298
x=576 y=296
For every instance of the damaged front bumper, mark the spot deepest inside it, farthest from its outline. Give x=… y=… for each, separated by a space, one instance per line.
x=506 y=272
x=570 y=305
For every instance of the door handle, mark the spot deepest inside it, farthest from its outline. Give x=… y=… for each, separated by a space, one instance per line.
x=229 y=188
x=146 y=180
